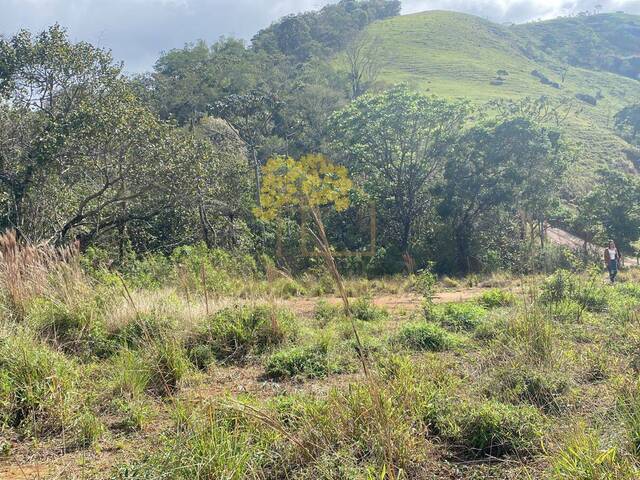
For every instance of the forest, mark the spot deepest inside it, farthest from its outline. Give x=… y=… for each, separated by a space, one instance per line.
x=286 y=258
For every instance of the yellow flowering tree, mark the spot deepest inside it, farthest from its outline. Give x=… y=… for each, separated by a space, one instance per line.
x=309 y=183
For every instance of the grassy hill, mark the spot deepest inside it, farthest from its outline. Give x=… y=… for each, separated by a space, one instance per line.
x=458 y=56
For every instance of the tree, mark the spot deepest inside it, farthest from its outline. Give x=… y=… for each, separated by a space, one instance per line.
x=511 y=165
x=364 y=64
x=81 y=156
x=614 y=203
x=627 y=122
x=309 y=183
x=396 y=142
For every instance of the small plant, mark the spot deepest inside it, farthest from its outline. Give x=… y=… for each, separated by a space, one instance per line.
x=458 y=317
x=234 y=333
x=308 y=362
x=567 y=311
x=496 y=298
x=426 y=336
x=559 y=286
x=325 y=312
x=87 y=429
x=363 y=309
x=533 y=333
x=38 y=387
x=597 y=365
x=134 y=414
x=425 y=283
x=497 y=429
x=524 y=383
x=583 y=458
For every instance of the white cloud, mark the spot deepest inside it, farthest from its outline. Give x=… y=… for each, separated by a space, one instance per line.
x=138 y=30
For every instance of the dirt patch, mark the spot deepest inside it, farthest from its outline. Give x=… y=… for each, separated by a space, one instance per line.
x=23 y=472
x=393 y=303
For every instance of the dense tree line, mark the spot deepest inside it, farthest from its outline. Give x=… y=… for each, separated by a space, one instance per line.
x=174 y=157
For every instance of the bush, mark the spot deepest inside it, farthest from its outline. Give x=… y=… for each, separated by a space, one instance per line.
x=426 y=336
x=308 y=362
x=562 y=285
x=157 y=369
x=77 y=329
x=363 y=309
x=233 y=333
x=458 y=316
x=325 y=312
x=524 y=383
x=496 y=298
x=38 y=387
x=497 y=429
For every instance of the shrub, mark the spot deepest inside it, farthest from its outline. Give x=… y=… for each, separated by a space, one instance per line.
x=77 y=329
x=426 y=336
x=496 y=298
x=325 y=312
x=363 y=309
x=497 y=429
x=524 y=383
x=309 y=362
x=458 y=316
x=560 y=286
x=233 y=333
x=157 y=369
x=38 y=387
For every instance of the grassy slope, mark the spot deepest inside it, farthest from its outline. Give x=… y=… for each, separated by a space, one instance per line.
x=457 y=56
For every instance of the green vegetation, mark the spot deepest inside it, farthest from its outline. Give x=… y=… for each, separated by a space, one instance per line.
x=189 y=291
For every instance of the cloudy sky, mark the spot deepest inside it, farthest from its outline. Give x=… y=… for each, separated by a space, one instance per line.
x=138 y=30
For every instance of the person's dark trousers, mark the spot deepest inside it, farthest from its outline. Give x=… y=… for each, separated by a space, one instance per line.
x=613 y=270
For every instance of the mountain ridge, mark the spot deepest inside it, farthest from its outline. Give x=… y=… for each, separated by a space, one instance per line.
x=457 y=55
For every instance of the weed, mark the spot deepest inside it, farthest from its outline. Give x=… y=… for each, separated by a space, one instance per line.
x=458 y=317
x=496 y=298
x=233 y=333
x=583 y=458
x=363 y=309
x=497 y=429
x=308 y=362
x=426 y=336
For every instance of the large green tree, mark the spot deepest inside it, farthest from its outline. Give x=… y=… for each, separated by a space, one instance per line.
x=499 y=165
x=396 y=143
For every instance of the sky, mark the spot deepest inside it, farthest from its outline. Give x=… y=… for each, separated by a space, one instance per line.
x=137 y=31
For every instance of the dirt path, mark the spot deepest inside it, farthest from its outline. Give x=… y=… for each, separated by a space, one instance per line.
x=394 y=303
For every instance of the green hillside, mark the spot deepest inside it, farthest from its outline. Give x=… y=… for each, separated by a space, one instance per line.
x=458 y=56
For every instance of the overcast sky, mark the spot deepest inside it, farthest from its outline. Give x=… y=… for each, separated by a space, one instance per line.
x=138 y=30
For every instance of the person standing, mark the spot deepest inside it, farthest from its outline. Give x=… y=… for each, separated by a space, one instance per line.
x=612 y=260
